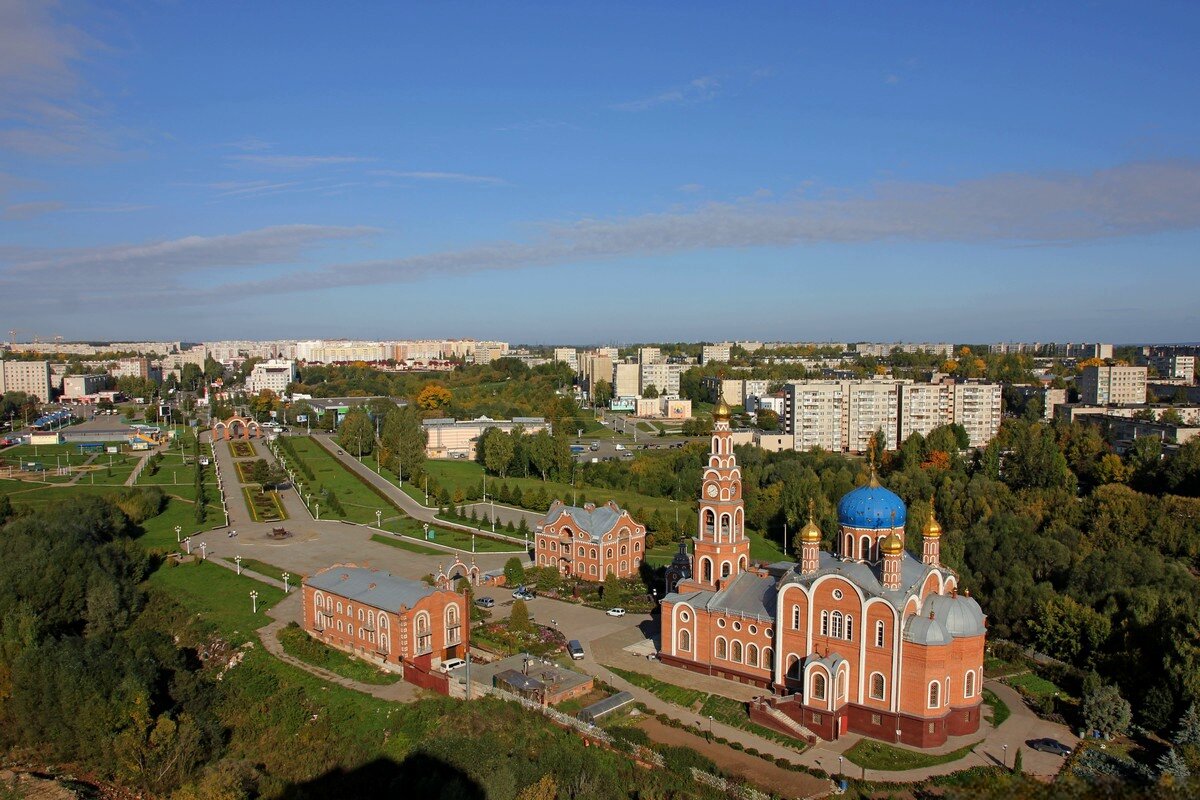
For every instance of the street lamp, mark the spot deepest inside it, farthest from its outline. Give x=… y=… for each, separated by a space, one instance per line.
x=426 y=490
x=1005 y=755
x=238 y=561
x=178 y=530
x=493 y=515
x=841 y=759
x=253 y=601
x=425 y=530
x=188 y=544
x=378 y=517
x=318 y=514
x=286 y=576
x=203 y=551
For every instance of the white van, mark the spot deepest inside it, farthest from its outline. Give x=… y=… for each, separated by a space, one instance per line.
x=452 y=664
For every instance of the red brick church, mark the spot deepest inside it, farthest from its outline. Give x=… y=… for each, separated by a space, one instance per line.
x=870 y=639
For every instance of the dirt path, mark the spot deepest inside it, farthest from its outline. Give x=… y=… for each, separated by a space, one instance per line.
x=752 y=769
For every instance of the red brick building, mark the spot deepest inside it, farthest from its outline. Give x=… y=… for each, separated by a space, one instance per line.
x=590 y=542
x=395 y=622
x=871 y=639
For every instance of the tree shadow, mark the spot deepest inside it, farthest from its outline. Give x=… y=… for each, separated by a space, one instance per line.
x=419 y=775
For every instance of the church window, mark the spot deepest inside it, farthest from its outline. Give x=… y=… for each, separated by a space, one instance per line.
x=876 y=719
x=879 y=633
x=969 y=686
x=685 y=616
x=737 y=626
x=706 y=570
x=720 y=622
x=349 y=630
x=725 y=569
x=637 y=547
x=768 y=658
x=685 y=640
x=877 y=686
x=624 y=550
x=837 y=594
x=865 y=545
x=824 y=623
x=722 y=652
x=608 y=553
x=737 y=652
x=796 y=617
x=849 y=627
x=753 y=629
x=818 y=687
x=935 y=690
x=835 y=625
x=752 y=655
x=339 y=608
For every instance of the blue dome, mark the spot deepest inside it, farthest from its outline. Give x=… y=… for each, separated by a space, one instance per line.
x=871 y=506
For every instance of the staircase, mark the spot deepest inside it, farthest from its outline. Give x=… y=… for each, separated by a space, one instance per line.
x=795 y=727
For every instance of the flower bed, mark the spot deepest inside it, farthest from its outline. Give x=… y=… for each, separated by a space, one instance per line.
x=539 y=641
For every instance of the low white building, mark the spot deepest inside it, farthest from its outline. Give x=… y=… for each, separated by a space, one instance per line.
x=275 y=375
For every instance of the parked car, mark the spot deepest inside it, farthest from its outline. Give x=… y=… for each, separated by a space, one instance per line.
x=484 y=602
x=575 y=649
x=452 y=664
x=594 y=446
x=1052 y=746
x=616 y=612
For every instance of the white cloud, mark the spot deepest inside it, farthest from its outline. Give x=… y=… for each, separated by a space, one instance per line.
x=450 y=177
x=698 y=90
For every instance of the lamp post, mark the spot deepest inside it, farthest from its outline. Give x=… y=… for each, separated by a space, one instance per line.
x=425 y=530
x=378 y=518
x=203 y=551
x=286 y=576
x=187 y=543
x=1005 y=756
x=178 y=530
x=426 y=490
x=318 y=514
x=841 y=760
x=493 y=515
x=253 y=602
x=237 y=560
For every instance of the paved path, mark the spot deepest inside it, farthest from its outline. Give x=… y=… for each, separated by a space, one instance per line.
x=133 y=476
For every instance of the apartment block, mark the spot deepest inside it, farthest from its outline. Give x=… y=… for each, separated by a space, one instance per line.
x=593 y=368
x=273 y=375
x=568 y=356
x=978 y=409
x=717 y=388
x=871 y=407
x=30 y=377
x=925 y=406
x=715 y=352
x=814 y=414
x=650 y=355
x=1104 y=385
x=1174 y=366
x=663 y=377
x=626 y=379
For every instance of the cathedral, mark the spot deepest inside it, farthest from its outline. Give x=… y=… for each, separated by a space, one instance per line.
x=870 y=639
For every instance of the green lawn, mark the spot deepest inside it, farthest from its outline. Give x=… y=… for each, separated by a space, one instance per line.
x=873 y=754
x=722 y=709
x=1034 y=685
x=265 y=569
x=404 y=544
x=300 y=645
x=358 y=501
x=219 y=596
x=1000 y=709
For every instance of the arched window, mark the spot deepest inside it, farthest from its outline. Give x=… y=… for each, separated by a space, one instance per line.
x=608 y=553
x=848 y=551
x=818 y=686
x=339 y=608
x=793 y=666
x=752 y=655
x=768 y=658
x=877 y=686
x=835 y=625
x=935 y=691
x=451 y=615
x=725 y=569
x=849 y=627
x=742 y=563
x=422 y=624
x=624 y=550
x=865 y=552
x=637 y=547
x=706 y=569
x=685 y=640
x=879 y=630
x=796 y=617
x=969 y=684
x=582 y=551
x=824 y=623
x=349 y=630
x=595 y=553
x=737 y=652
x=722 y=652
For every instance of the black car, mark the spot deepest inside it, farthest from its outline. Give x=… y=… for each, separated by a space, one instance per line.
x=1049 y=746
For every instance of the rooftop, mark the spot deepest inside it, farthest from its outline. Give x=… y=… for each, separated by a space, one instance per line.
x=370 y=587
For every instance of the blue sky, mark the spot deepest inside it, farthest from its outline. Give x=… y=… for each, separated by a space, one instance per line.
x=601 y=173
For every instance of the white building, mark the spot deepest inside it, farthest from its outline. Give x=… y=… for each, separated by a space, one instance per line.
x=663 y=377
x=449 y=438
x=568 y=356
x=626 y=380
x=1103 y=385
x=715 y=352
x=30 y=377
x=1174 y=366
x=273 y=375
x=978 y=409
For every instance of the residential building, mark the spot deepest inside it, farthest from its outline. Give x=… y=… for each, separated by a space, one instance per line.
x=978 y=409
x=137 y=368
x=273 y=375
x=871 y=406
x=394 y=622
x=1173 y=366
x=663 y=408
x=1083 y=351
x=727 y=389
x=487 y=352
x=590 y=542
x=650 y=355
x=814 y=414
x=715 y=352
x=1103 y=385
x=568 y=356
x=752 y=388
x=593 y=368
x=80 y=386
x=451 y=438
x=870 y=640
x=663 y=377
x=924 y=407
x=626 y=379
x=30 y=377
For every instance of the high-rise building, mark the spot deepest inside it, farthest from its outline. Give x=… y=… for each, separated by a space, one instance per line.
x=568 y=356
x=715 y=352
x=1104 y=385
x=1174 y=366
x=650 y=355
x=626 y=379
x=273 y=375
x=663 y=377
x=30 y=377
x=925 y=406
x=978 y=409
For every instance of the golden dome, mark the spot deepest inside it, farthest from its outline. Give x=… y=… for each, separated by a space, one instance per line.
x=722 y=411
x=892 y=544
x=933 y=528
x=810 y=532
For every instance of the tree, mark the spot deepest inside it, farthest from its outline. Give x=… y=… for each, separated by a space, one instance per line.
x=1018 y=761
x=542 y=452
x=518 y=619
x=546 y=788
x=602 y=395
x=613 y=590
x=650 y=392
x=768 y=420
x=433 y=397
x=514 y=573
x=1172 y=769
x=402 y=442
x=498 y=449
x=357 y=433
x=1106 y=711
x=1188 y=731
x=1067 y=630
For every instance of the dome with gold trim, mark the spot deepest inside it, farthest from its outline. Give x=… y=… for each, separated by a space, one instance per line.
x=722 y=411
x=892 y=544
x=810 y=532
x=933 y=528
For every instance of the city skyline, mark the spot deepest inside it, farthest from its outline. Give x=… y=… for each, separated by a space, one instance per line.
x=582 y=175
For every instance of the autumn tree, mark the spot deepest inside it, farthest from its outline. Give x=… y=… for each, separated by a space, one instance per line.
x=433 y=397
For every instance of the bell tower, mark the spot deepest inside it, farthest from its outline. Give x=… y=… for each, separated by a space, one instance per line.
x=721 y=551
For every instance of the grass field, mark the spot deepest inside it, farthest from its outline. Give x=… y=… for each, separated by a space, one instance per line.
x=219 y=596
x=265 y=569
x=404 y=544
x=358 y=501
x=1000 y=709
x=1036 y=686
x=722 y=709
x=877 y=755
x=300 y=645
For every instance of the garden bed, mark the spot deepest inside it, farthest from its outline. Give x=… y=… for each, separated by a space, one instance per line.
x=264 y=506
x=240 y=448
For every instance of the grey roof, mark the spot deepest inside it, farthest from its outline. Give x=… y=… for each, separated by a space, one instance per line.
x=830 y=661
x=593 y=522
x=912 y=574
x=961 y=615
x=371 y=587
x=606 y=706
x=926 y=630
x=747 y=595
